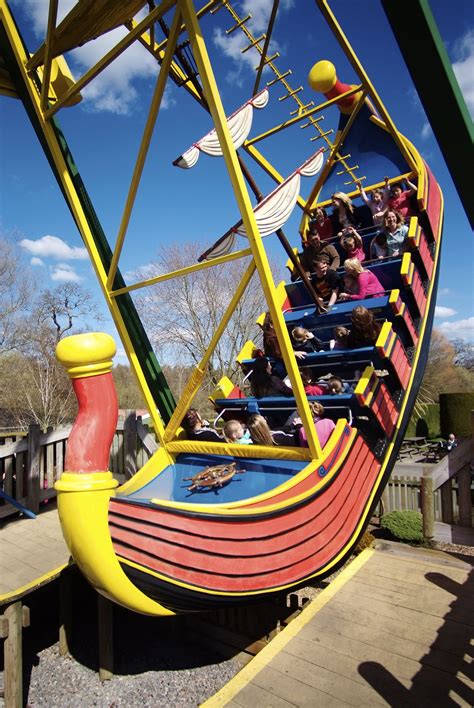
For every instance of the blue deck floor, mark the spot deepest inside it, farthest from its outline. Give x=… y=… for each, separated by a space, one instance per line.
x=257 y=477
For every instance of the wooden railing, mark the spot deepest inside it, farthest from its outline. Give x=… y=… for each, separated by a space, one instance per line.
x=31 y=463
x=454 y=467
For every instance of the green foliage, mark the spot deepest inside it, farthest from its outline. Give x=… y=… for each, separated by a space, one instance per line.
x=365 y=542
x=404 y=525
x=426 y=425
x=455 y=413
x=128 y=393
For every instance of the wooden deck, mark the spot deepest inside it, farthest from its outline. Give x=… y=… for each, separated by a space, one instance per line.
x=394 y=628
x=33 y=552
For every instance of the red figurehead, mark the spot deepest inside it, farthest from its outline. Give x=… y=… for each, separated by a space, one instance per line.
x=88 y=361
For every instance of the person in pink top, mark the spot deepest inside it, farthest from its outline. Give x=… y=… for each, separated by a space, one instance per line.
x=399 y=199
x=310 y=388
x=324 y=426
x=351 y=242
x=368 y=283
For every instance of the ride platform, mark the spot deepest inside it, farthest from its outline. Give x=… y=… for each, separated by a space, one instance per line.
x=394 y=628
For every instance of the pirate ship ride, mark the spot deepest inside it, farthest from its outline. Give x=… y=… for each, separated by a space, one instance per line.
x=279 y=516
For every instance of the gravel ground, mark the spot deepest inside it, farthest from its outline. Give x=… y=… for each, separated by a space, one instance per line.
x=64 y=682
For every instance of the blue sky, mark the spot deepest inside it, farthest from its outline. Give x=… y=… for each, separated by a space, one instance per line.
x=174 y=205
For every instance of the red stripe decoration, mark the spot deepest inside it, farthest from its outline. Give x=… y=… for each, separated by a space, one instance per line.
x=232 y=554
x=425 y=253
x=410 y=326
x=433 y=208
x=384 y=409
x=418 y=293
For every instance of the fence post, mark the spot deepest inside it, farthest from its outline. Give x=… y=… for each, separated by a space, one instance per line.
x=464 y=497
x=130 y=444
x=106 y=638
x=33 y=468
x=427 y=504
x=447 y=511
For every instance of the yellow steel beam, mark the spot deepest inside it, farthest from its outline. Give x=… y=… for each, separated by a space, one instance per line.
x=302 y=116
x=361 y=73
x=183 y=271
x=248 y=217
x=107 y=59
x=76 y=208
x=145 y=144
x=337 y=146
x=269 y=169
x=48 y=57
x=195 y=380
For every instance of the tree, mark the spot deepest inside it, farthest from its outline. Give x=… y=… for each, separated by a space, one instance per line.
x=128 y=393
x=64 y=308
x=43 y=392
x=464 y=354
x=183 y=313
x=442 y=375
x=16 y=289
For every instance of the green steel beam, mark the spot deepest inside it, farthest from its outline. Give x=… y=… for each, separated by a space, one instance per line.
x=425 y=55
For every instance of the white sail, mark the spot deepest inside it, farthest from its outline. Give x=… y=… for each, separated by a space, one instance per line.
x=274 y=210
x=239 y=124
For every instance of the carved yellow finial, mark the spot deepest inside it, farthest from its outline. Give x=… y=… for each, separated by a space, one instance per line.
x=86 y=354
x=322 y=76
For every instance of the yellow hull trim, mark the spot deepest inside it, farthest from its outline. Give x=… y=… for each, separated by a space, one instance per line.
x=83 y=506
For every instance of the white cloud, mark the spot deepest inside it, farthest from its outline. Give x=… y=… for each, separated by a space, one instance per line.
x=115 y=89
x=260 y=11
x=426 y=131
x=462 y=329
x=441 y=311
x=444 y=291
x=53 y=247
x=464 y=67
x=36 y=262
x=232 y=45
x=65 y=273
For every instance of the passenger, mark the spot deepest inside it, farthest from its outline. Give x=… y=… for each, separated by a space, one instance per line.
x=351 y=243
x=263 y=384
x=323 y=224
x=271 y=346
x=378 y=248
x=340 y=337
x=305 y=342
x=324 y=426
x=261 y=433
x=234 y=433
x=196 y=429
x=351 y=283
x=337 y=386
x=313 y=247
x=364 y=329
x=326 y=281
x=377 y=203
x=396 y=232
x=310 y=387
x=368 y=283
x=344 y=213
x=400 y=199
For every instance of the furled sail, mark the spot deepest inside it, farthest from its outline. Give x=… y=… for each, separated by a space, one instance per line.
x=273 y=211
x=239 y=124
